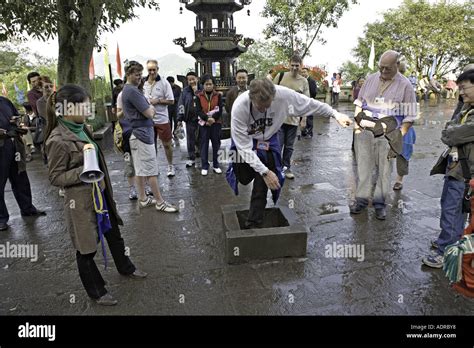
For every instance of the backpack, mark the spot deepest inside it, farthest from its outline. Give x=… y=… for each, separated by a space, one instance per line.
x=118 y=137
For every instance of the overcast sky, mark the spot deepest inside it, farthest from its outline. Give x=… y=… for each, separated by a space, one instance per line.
x=151 y=35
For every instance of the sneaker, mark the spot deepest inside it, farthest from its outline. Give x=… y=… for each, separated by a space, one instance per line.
x=148 y=203
x=285 y=168
x=148 y=191
x=289 y=174
x=190 y=163
x=204 y=172
x=171 y=171
x=62 y=192
x=132 y=195
x=106 y=300
x=138 y=274
x=217 y=170
x=166 y=207
x=433 y=261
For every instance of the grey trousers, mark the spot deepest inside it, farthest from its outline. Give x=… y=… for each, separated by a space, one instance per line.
x=372 y=153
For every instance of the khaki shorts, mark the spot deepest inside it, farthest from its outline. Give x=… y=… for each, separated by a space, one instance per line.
x=163 y=131
x=144 y=157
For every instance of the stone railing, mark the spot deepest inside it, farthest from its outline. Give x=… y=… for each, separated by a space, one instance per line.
x=214 y=32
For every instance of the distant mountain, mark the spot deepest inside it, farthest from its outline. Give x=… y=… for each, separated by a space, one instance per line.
x=170 y=64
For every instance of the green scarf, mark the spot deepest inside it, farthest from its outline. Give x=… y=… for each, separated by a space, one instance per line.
x=78 y=129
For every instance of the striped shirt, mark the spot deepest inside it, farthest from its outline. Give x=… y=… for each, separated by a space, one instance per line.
x=395 y=97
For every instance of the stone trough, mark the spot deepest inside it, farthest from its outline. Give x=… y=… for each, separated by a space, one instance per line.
x=281 y=235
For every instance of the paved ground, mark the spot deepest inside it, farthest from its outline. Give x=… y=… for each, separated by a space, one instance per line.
x=184 y=254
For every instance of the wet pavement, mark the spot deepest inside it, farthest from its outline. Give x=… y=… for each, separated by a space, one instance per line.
x=184 y=253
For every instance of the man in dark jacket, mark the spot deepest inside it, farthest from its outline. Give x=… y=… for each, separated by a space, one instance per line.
x=457 y=164
x=187 y=112
x=12 y=164
x=242 y=78
x=173 y=109
x=313 y=91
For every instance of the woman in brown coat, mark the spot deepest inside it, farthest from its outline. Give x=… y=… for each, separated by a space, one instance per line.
x=65 y=138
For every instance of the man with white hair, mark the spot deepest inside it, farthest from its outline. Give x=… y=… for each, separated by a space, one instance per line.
x=257 y=115
x=385 y=94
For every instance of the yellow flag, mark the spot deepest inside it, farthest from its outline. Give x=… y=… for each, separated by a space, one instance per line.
x=106 y=62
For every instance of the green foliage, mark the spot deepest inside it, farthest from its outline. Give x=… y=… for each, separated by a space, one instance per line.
x=261 y=57
x=352 y=71
x=15 y=64
x=421 y=30
x=297 y=24
x=41 y=19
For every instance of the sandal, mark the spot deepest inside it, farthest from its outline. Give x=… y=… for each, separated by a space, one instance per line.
x=398 y=186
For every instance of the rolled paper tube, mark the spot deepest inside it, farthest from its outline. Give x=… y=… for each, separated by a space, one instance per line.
x=367 y=124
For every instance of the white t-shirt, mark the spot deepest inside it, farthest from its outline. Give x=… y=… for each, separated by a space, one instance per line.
x=287 y=103
x=159 y=90
x=119 y=101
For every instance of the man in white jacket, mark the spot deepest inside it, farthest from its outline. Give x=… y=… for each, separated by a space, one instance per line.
x=257 y=115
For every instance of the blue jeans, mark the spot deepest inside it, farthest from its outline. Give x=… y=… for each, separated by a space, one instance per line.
x=286 y=137
x=309 y=126
x=212 y=133
x=452 y=218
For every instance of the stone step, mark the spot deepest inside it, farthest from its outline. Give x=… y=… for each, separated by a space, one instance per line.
x=280 y=236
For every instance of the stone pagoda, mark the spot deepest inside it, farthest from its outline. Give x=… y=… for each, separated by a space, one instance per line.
x=216 y=45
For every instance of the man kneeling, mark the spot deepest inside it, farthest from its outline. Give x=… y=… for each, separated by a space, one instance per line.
x=257 y=115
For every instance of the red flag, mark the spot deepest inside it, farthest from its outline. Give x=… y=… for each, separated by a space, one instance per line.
x=4 y=90
x=119 y=62
x=91 y=69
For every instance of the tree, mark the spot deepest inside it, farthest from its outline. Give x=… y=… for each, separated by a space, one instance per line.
x=16 y=63
x=351 y=71
x=76 y=23
x=297 y=24
x=261 y=57
x=423 y=31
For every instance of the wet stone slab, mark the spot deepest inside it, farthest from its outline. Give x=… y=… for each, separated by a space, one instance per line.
x=280 y=235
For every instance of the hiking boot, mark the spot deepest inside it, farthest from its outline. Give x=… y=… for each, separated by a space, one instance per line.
x=148 y=202
x=171 y=171
x=132 y=194
x=433 y=261
x=166 y=207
